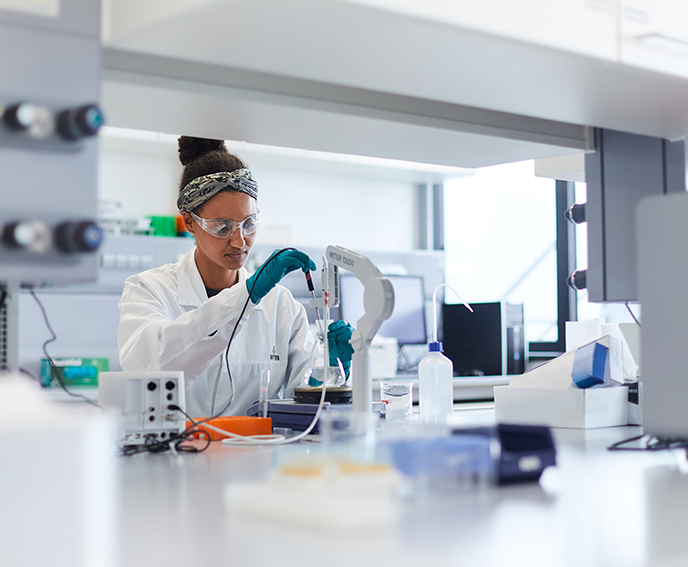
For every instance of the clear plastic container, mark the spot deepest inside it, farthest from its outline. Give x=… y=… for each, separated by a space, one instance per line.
x=435 y=385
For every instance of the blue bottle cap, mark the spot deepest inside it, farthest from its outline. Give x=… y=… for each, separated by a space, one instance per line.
x=435 y=346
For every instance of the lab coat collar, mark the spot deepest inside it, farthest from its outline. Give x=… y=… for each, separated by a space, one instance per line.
x=190 y=286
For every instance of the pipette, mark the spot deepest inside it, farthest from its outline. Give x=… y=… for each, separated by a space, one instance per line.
x=311 y=288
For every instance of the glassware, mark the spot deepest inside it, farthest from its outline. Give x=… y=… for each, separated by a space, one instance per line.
x=398 y=398
x=314 y=376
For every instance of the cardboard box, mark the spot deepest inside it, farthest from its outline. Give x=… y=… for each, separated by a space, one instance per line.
x=558 y=407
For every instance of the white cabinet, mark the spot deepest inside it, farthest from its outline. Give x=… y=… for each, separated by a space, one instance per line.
x=654 y=35
x=584 y=27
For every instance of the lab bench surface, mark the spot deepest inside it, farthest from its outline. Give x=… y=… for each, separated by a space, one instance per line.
x=465 y=388
x=596 y=508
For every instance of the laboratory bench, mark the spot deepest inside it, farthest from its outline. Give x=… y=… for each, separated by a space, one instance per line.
x=596 y=508
x=466 y=389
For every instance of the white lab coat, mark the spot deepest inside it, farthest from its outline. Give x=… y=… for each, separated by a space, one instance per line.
x=167 y=322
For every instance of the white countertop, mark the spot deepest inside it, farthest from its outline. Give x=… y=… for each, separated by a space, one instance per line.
x=596 y=508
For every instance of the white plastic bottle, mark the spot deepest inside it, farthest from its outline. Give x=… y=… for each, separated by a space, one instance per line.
x=435 y=385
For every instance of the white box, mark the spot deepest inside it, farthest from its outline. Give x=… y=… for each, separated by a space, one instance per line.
x=384 y=353
x=559 y=407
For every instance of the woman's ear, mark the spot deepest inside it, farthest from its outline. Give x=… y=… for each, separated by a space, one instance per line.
x=188 y=222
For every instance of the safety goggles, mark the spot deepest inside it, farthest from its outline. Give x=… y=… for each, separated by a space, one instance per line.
x=225 y=228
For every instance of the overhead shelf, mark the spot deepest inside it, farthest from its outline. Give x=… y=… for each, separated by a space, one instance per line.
x=359 y=77
x=171 y=95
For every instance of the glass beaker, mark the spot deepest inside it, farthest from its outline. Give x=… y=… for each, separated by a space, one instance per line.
x=398 y=398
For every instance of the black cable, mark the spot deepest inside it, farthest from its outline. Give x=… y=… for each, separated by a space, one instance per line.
x=633 y=314
x=161 y=446
x=236 y=326
x=652 y=444
x=58 y=372
x=3 y=297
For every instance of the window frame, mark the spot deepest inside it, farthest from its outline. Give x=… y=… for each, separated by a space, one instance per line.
x=566 y=263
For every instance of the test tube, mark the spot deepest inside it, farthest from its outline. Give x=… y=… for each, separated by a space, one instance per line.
x=263 y=392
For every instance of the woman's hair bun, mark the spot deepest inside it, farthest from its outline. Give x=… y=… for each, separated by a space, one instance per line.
x=191 y=148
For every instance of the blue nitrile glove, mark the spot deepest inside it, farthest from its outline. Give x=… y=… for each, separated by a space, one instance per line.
x=338 y=337
x=278 y=265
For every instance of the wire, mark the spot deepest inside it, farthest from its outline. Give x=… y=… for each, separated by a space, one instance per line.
x=150 y=446
x=652 y=444
x=246 y=439
x=55 y=369
x=213 y=415
x=255 y=439
x=633 y=314
x=174 y=444
x=29 y=373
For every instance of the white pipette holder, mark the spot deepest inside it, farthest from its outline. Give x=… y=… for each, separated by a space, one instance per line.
x=378 y=300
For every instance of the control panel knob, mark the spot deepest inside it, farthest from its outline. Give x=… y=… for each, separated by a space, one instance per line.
x=30 y=235
x=77 y=123
x=85 y=236
x=577 y=280
x=36 y=120
x=576 y=213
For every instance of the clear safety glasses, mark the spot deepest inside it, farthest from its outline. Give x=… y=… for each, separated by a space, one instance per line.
x=225 y=228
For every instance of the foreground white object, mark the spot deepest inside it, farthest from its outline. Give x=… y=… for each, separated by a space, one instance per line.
x=58 y=482
x=323 y=494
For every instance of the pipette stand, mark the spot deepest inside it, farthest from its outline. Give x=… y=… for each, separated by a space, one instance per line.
x=378 y=300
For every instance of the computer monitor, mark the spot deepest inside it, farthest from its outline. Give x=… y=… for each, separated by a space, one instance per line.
x=407 y=322
x=487 y=342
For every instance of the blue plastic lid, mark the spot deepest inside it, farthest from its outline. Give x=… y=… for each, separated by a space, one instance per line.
x=435 y=346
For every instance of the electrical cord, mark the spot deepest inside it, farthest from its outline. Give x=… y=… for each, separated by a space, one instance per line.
x=236 y=439
x=652 y=444
x=253 y=439
x=633 y=314
x=57 y=371
x=174 y=444
x=213 y=415
x=30 y=374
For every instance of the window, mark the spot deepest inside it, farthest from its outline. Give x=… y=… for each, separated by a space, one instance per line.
x=501 y=243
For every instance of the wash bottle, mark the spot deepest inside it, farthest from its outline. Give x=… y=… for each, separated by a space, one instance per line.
x=435 y=376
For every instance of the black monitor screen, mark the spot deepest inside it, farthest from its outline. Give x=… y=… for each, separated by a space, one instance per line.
x=407 y=322
x=473 y=341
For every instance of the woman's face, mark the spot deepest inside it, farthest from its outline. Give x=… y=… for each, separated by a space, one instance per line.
x=223 y=253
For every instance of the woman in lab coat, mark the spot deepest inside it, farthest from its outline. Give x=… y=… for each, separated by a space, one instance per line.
x=182 y=316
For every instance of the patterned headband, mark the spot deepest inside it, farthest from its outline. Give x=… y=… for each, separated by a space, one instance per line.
x=201 y=189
